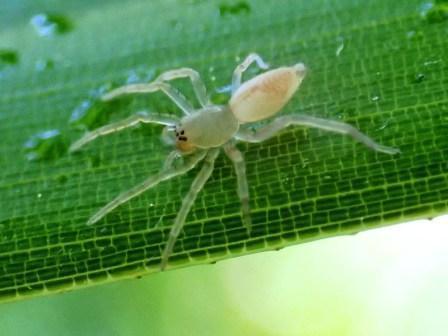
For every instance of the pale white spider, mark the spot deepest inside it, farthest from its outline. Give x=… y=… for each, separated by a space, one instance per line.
x=201 y=133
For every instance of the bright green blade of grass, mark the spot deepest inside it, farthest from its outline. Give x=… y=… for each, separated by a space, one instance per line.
x=379 y=65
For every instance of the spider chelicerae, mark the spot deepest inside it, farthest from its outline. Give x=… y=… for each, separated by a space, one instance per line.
x=201 y=133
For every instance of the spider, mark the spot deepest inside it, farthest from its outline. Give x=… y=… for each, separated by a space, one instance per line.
x=201 y=133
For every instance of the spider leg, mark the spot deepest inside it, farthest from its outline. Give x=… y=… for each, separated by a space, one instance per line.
x=187 y=203
x=168 y=171
x=196 y=81
x=154 y=86
x=303 y=120
x=243 y=190
x=238 y=72
x=140 y=117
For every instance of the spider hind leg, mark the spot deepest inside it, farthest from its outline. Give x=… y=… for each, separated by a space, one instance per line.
x=239 y=165
x=187 y=203
x=280 y=123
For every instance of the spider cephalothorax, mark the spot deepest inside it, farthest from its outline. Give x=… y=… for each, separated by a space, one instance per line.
x=201 y=133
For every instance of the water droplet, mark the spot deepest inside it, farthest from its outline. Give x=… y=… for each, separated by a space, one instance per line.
x=285 y=179
x=414 y=35
x=8 y=57
x=133 y=77
x=375 y=98
x=305 y=163
x=213 y=78
x=410 y=34
x=140 y=75
x=240 y=7
x=384 y=125
x=45 y=145
x=340 y=46
x=39 y=195
x=435 y=12
x=47 y=25
x=92 y=112
x=62 y=179
x=94 y=161
x=431 y=62
x=418 y=78
x=42 y=65
x=424 y=8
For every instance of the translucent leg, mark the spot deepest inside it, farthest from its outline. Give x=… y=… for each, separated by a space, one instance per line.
x=198 y=84
x=168 y=171
x=140 y=117
x=303 y=120
x=243 y=190
x=171 y=92
x=238 y=72
x=187 y=203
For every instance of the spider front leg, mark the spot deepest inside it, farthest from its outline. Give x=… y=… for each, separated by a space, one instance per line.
x=196 y=81
x=280 y=123
x=154 y=86
x=243 y=190
x=140 y=117
x=238 y=72
x=187 y=203
x=168 y=171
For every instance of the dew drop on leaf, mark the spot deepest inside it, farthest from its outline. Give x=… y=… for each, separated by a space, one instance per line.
x=436 y=12
x=94 y=161
x=48 y=144
x=62 y=179
x=48 y=25
x=9 y=57
x=140 y=75
x=224 y=89
x=384 y=125
x=420 y=77
x=234 y=8
x=414 y=35
x=341 y=46
x=92 y=112
x=42 y=65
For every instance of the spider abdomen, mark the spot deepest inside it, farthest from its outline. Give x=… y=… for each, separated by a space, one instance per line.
x=209 y=127
x=264 y=95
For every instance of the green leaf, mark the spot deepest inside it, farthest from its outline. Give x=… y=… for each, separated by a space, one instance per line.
x=379 y=65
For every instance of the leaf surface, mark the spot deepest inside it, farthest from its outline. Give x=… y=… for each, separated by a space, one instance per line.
x=378 y=65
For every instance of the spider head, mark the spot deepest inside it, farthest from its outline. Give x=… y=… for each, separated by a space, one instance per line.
x=176 y=136
x=182 y=142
